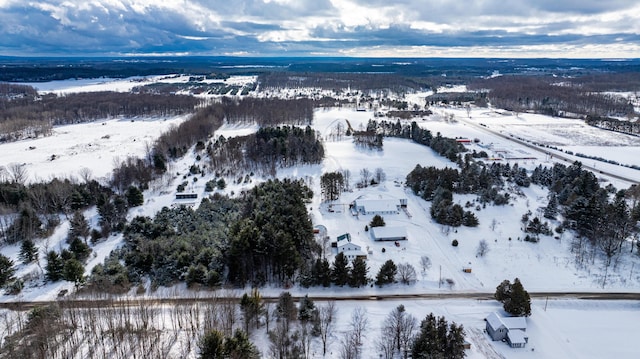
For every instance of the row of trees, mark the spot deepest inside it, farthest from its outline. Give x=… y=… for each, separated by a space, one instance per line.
x=544 y=95
x=50 y=110
x=613 y=124
x=435 y=337
x=340 y=80
x=127 y=328
x=355 y=274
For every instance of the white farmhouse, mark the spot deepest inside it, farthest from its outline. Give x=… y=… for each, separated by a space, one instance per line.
x=350 y=250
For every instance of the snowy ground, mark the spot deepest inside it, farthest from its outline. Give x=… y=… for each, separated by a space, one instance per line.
x=94 y=146
x=567 y=329
x=62 y=87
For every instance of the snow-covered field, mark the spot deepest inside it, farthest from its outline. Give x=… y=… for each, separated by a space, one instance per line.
x=94 y=146
x=62 y=87
x=566 y=329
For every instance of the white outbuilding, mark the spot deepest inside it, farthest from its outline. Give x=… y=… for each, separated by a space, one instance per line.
x=390 y=233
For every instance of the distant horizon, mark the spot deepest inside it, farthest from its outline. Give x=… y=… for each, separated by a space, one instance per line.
x=572 y=29
x=183 y=56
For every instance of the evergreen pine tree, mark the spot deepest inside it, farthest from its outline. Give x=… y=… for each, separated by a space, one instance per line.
x=469 y=219
x=79 y=249
x=340 y=270
x=514 y=298
x=551 y=211
x=239 y=346
x=306 y=308
x=78 y=226
x=6 y=270
x=438 y=339
x=28 y=251
x=387 y=273
x=211 y=345
x=377 y=221
x=73 y=271
x=455 y=342
x=323 y=272
x=519 y=302
x=134 y=196
x=54 y=266
x=359 y=273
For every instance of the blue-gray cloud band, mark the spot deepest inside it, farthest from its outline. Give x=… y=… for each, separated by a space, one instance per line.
x=304 y=27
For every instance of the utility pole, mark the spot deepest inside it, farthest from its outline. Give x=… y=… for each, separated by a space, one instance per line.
x=440 y=279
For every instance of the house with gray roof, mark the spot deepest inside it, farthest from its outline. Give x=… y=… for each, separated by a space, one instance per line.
x=511 y=329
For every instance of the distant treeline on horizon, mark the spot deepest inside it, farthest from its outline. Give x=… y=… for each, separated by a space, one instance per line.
x=40 y=69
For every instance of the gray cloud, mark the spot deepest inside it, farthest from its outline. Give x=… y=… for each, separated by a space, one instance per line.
x=302 y=27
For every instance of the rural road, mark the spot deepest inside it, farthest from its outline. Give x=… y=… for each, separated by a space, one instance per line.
x=132 y=301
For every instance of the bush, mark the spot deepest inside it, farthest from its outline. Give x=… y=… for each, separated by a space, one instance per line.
x=454 y=243
x=15 y=287
x=377 y=221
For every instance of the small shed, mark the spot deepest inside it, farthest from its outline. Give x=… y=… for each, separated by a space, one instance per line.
x=391 y=233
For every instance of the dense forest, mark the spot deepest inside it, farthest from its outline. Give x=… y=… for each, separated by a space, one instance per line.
x=264 y=235
x=266 y=150
x=550 y=96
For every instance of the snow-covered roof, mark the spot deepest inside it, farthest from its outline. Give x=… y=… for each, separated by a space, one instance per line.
x=516 y=336
x=496 y=321
x=378 y=205
x=344 y=244
x=388 y=232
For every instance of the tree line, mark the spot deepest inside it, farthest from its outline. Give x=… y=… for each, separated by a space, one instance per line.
x=43 y=111
x=547 y=96
x=614 y=124
x=338 y=81
x=267 y=112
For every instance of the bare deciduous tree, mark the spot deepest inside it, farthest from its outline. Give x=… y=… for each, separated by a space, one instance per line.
x=325 y=323
x=406 y=273
x=359 y=323
x=379 y=175
x=17 y=172
x=425 y=264
x=365 y=176
x=85 y=174
x=483 y=248
x=349 y=348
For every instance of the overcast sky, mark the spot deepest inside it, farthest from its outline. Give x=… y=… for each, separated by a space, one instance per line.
x=389 y=28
